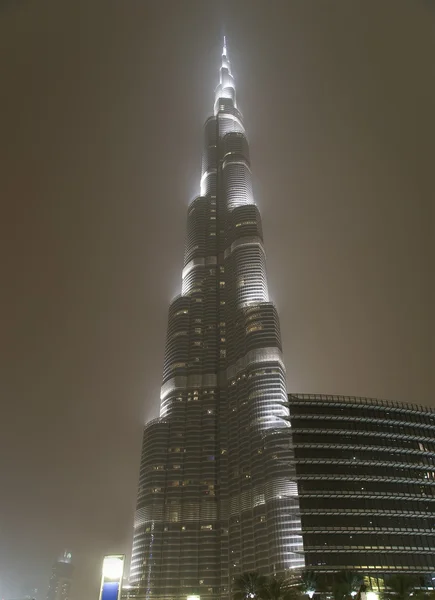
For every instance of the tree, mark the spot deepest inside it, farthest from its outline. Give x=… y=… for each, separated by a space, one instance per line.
x=309 y=583
x=347 y=585
x=400 y=587
x=249 y=586
x=278 y=588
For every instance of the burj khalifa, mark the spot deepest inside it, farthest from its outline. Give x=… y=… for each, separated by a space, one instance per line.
x=217 y=490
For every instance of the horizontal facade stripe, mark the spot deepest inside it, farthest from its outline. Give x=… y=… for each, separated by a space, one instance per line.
x=240 y=242
x=260 y=356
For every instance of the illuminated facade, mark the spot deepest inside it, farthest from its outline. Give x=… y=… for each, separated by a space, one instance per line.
x=366 y=475
x=217 y=491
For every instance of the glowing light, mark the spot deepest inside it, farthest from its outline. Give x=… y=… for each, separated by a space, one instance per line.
x=193 y=597
x=372 y=596
x=311 y=593
x=113 y=567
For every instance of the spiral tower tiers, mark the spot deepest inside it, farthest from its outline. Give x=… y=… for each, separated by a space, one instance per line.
x=217 y=492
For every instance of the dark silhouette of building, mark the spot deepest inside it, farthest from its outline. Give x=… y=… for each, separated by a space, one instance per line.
x=213 y=499
x=61 y=578
x=366 y=477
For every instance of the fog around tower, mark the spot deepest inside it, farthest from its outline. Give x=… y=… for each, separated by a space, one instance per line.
x=102 y=114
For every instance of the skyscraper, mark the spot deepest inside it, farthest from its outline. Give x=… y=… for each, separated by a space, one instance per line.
x=217 y=492
x=61 y=578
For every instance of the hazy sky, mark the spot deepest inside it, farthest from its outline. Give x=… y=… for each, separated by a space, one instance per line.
x=101 y=110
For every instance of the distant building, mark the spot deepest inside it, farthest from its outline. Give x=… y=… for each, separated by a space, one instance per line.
x=61 y=578
x=366 y=479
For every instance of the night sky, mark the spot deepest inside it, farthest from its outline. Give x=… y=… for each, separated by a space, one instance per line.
x=102 y=105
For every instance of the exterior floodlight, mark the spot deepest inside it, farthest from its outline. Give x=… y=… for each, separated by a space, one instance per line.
x=310 y=594
x=372 y=596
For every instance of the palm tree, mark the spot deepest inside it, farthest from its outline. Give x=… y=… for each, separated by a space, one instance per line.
x=400 y=587
x=278 y=588
x=309 y=583
x=347 y=585
x=248 y=586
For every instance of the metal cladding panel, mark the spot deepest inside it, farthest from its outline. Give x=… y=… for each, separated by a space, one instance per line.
x=217 y=490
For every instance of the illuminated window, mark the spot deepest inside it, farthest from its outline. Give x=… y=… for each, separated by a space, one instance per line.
x=246 y=223
x=178 y=365
x=256 y=326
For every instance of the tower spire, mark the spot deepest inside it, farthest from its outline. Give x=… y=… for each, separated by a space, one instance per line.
x=226 y=88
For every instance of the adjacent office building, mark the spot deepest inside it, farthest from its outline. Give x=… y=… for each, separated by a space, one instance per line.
x=366 y=476
x=213 y=499
x=61 y=578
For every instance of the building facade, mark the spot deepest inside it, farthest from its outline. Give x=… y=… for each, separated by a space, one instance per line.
x=217 y=490
x=61 y=578
x=366 y=477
